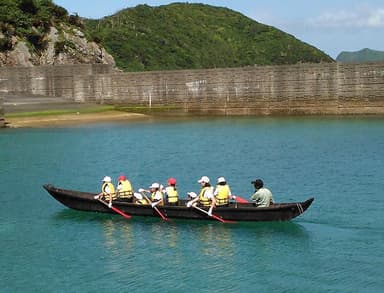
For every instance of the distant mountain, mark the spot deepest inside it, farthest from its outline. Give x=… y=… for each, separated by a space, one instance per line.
x=191 y=36
x=364 y=55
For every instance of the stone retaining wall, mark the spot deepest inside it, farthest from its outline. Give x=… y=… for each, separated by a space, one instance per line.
x=329 y=88
x=294 y=89
x=51 y=81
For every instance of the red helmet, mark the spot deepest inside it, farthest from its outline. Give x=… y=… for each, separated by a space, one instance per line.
x=122 y=178
x=172 y=181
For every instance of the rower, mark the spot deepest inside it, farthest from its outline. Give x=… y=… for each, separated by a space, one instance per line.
x=262 y=196
x=222 y=192
x=107 y=191
x=205 y=197
x=156 y=194
x=124 y=189
x=171 y=192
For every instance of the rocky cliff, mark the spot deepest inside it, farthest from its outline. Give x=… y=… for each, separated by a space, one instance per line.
x=64 y=45
x=41 y=33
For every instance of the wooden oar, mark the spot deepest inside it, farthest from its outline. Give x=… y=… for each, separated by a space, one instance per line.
x=115 y=209
x=213 y=216
x=156 y=209
x=240 y=199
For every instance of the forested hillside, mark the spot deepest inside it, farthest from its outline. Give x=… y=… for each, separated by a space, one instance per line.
x=188 y=36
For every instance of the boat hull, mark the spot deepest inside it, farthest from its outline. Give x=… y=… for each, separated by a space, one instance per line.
x=85 y=201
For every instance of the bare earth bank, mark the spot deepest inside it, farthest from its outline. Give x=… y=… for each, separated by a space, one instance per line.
x=72 y=119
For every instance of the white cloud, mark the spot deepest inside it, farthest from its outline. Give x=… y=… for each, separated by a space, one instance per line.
x=345 y=19
x=332 y=28
x=376 y=19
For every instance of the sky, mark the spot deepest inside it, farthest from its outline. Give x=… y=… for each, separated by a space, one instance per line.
x=332 y=26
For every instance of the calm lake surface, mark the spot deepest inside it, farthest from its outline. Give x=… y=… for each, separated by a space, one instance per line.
x=335 y=246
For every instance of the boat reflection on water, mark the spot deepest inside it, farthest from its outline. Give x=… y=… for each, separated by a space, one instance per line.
x=215 y=239
x=142 y=235
x=118 y=236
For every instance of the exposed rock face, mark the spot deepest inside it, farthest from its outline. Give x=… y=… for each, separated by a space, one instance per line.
x=20 y=55
x=65 y=45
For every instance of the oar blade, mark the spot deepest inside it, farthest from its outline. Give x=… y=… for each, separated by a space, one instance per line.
x=218 y=218
x=241 y=200
x=212 y=215
x=121 y=213
x=115 y=209
x=222 y=220
x=161 y=214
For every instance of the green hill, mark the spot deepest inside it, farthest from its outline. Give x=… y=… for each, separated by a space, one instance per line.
x=364 y=55
x=190 y=36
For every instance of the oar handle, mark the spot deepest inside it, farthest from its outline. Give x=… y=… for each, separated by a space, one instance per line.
x=154 y=207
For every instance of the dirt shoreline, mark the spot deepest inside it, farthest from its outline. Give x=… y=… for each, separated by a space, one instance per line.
x=72 y=119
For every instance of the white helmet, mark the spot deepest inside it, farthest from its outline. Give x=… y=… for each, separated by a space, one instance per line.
x=204 y=179
x=221 y=180
x=154 y=185
x=107 y=179
x=192 y=194
x=138 y=196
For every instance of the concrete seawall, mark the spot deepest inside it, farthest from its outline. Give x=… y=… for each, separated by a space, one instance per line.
x=309 y=89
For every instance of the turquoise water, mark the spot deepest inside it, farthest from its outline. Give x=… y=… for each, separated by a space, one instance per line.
x=336 y=246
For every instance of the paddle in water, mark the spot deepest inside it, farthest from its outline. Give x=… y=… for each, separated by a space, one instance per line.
x=212 y=215
x=115 y=209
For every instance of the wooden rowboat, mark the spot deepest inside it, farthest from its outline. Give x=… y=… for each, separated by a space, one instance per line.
x=85 y=201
